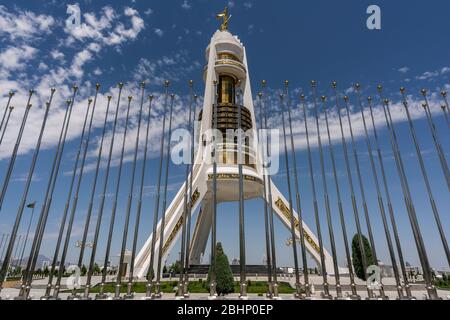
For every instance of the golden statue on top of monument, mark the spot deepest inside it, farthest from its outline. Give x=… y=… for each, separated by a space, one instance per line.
x=226 y=17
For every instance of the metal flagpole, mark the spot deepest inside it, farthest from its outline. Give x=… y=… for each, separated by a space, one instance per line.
x=191 y=203
x=161 y=248
x=271 y=211
x=21 y=208
x=437 y=143
x=212 y=288
x=266 y=214
x=4 y=248
x=241 y=140
x=130 y=198
x=66 y=209
x=181 y=284
x=32 y=206
x=32 y=260
x=363 y=195
x=425 y=177
x=15 y=150
x=151 y=271
x=326 y=196
x=445 y=107
x=11 y=108
x=408 y=199
x=89 y=213
x=352 y=192
x=297 y=201
x=326 y=293
x=102 y=294
x=1 y=245
x=10 y=95
x=103 y=194
x=380 y=198
x=291 y=209
x=75 y=198
x=139 y=205
x=390 y=207
x=14 y=259
x=354 y=294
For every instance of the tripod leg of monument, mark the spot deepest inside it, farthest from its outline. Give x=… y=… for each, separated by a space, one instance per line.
x=173 y=225
x=201 y=233
x=281 y=208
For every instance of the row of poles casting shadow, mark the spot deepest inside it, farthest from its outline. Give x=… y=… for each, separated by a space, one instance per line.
x=303 y=290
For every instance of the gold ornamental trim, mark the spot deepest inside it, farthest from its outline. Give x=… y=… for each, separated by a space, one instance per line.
x=233 y=176
x=287 y=214
x=194 y=198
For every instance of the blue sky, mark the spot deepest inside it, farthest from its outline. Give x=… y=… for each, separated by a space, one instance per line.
x=132 y=41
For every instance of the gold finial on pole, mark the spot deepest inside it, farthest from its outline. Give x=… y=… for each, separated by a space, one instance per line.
x=226 y=18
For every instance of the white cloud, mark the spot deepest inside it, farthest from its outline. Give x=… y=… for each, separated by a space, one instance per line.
x=186 y=5
x=101 y=30
x=149 y=11
x=78 y=61
x=230 y=4
x=403 y=69
x=14 y=58
x=248 y=5
x=57 y=55
x=445 y=70
x=97 y=71
x=24 y=25
x=427 y=75
x=42 y=66
x=159 y=32
x=130 y=11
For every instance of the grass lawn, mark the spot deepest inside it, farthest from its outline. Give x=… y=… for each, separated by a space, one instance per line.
x=196 y=287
